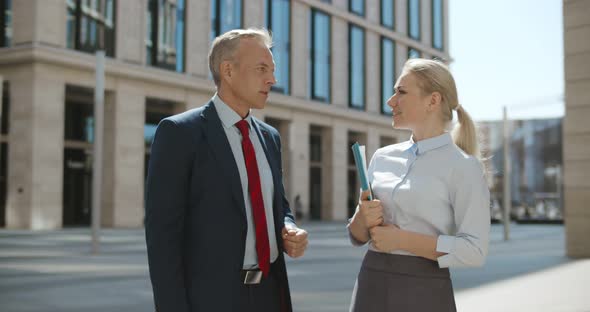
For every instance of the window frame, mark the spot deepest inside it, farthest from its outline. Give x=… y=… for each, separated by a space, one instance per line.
x=313 y=96
x=351 y=27
x=269 y=7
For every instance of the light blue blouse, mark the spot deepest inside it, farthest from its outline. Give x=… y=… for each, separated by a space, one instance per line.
x=432 y=187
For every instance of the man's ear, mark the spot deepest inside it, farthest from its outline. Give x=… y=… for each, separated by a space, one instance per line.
x=226 y=70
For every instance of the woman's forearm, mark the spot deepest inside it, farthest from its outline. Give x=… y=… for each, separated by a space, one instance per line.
x=419 y=244
x=358 y=231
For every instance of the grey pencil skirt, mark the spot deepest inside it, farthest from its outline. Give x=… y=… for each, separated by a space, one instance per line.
x=389 y=282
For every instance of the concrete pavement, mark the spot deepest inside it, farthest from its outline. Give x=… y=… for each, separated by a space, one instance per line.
x=54 y=271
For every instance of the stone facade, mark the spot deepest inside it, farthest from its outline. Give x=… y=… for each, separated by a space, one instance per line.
x=40 y=69
x=576 y=130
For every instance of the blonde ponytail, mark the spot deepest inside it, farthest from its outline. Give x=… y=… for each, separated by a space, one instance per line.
x=465 y=133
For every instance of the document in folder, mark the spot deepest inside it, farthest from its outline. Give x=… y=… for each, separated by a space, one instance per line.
x=358 y=151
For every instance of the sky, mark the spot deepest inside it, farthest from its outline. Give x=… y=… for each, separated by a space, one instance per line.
x=508 y=53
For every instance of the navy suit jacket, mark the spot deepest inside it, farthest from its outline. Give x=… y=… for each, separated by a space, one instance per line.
x=195 y=214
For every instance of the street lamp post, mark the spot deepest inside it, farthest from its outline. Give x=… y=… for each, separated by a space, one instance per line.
x=97 y=150
x=507 y=170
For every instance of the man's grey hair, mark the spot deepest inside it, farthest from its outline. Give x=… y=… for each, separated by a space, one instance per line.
x=224 y=47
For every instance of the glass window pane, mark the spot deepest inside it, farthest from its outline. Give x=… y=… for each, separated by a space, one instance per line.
x=387 y=73
x=437 y=24
x=97 y=26
x=320 y=56
x=230 y=15
x=165 y=44
x=388 y=13
x=357 y=67
x=226 y=15
x=279 y=25
x=413 y=53
x=414 y=19
x=357 y=6
x=6 y=36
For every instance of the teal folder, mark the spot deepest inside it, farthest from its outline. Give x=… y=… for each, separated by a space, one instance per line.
x=358 y=151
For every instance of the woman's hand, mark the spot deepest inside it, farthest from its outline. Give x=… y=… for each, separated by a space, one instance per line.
x=386 y=238
x=370 y=212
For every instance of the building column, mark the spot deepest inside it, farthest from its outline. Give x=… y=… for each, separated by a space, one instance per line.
x=373 y=11
x=299 y=160
x=198 y=30
x=35 y=163
x=401 y=16
x=131 y=32
x=40 y=21
x=426 y=22
x=373 y=142
x=339 y=62
x=373 y=73
x=123 y=184
x=300 y=20
x=254 y=13
x=339 y=170
x=576 y=129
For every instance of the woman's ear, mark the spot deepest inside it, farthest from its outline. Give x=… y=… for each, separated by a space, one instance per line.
x=435 y=101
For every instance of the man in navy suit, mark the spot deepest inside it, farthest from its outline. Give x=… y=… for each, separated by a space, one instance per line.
x=217 y=219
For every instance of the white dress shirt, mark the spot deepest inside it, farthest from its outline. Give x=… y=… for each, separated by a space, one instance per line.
x=432 y=187
x=228 y=119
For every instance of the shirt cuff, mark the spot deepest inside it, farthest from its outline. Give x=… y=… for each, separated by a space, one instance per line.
x=446 y=244
x=289 y=221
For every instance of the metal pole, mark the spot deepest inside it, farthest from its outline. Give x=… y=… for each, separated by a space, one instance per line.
x=97 y=150
x=507 y=171
x=1 y=134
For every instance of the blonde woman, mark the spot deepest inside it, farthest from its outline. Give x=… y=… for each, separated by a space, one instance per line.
x=431 y=202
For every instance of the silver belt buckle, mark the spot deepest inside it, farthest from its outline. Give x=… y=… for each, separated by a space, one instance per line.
x=253 y=277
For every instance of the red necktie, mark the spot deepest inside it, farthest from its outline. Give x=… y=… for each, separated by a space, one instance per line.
x=258 y=212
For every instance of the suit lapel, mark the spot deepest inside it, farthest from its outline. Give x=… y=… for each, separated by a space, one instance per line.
x=217 y=141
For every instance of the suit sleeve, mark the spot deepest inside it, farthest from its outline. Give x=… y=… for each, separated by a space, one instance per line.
x=166 y=202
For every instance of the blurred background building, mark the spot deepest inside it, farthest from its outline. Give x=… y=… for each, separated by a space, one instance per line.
x=337 y=62
x=536 y=185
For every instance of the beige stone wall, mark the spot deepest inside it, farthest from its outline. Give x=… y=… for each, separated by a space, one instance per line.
x=39 y=21
x=35 y=163
x=576 y=131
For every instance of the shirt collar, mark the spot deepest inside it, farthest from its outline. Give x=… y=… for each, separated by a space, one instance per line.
x=427 y=145
x=227 y=115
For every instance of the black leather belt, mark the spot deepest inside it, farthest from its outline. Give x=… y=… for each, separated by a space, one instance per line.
x=251 y=277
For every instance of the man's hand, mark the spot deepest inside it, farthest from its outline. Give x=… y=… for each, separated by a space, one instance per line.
x=386 y=238
x=294 y=240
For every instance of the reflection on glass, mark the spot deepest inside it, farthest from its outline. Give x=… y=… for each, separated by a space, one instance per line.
x=90 y=26
x=388 y=13
x=357 y=67
x=357 y=6
x=414 y=19
x=387 y=72
x=226 y=15
x=278 y=20
x=320 y=56
x=165 y=34
x=437 y=24
x=413 y=53
x=6 y=23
